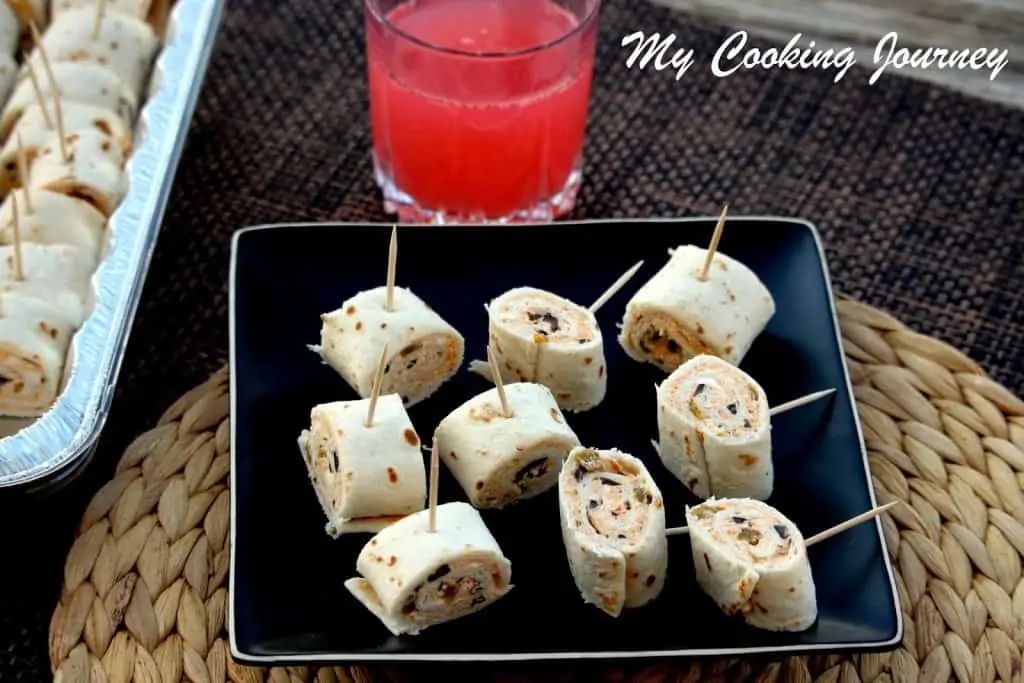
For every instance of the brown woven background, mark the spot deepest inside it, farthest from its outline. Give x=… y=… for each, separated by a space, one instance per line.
x=918 y=192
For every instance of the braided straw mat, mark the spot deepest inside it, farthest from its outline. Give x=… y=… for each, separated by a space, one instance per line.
x=144 y=592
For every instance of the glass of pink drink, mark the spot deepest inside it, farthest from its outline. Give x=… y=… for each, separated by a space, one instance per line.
x=478 y=107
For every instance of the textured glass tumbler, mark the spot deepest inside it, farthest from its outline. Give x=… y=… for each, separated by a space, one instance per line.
x=479 y=107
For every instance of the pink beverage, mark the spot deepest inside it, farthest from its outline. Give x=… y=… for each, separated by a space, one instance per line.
x=478 y=107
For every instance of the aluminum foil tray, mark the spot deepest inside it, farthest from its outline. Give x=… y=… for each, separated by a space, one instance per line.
x=43 y=448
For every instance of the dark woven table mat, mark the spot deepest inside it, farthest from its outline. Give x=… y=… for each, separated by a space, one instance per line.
x=918 y=193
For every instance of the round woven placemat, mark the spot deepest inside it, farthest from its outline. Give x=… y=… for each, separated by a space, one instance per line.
x=145 y=584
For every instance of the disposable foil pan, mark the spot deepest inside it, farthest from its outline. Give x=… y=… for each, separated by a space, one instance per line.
x=68 y=432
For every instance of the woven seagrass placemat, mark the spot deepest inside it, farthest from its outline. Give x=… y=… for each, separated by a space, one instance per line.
x=144 y=591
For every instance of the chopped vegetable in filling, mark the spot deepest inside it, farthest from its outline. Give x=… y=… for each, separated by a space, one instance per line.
x=544 y=317
x=717 y=397
x=744 y=530
x=610 y=499
x=446 y=590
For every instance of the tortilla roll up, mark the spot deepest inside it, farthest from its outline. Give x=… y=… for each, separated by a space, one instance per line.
x=751 y=560
x=87 y=83
x=425 y=350
x=413 y=578
x=714 y=430
x=93 y=172
x=675 y=316
x=613 y=527
x=48 y=265
x=364 y=477
x=54 y=219
x=541 y=337
x=500 y=460
x=153 y=12
x=36 y=134
x=125 y=44
x=34 y=339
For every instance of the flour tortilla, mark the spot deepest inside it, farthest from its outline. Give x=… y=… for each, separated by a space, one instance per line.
x=714 y=430
x=54 y=219
x=613 y=527
x=81 y=82
x=34 y=339
x=675 y=316
x=752 y=560
x=541 y=337
x=365 y=477
x=125 y=44
x=424 y=350
x=412 y=578
x=501 y=460
x=94 y=173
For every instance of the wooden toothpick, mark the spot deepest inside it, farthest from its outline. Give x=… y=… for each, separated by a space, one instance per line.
x=378 y=382
x=802 y=401
x=849 y=524
x=616 y=286
x=23 y=174
x=43 y=57
x=713 y=247
x=101 y=9
x=432 y=496
x=817 y=538
x=498 y=383
x=19 y=271
x=64 y=156
x=392 y=264
x=57 y=113
x=40 y=98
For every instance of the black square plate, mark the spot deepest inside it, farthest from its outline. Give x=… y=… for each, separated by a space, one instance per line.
x=287 y=599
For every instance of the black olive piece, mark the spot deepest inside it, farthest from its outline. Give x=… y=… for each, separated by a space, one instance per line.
x=411 y=348
x=478 y=600
x=628 y=506
x=531 y=471
x=782 y=531
x=594 y=504
x=673 y=347
x=337 y=464
x=541 y=331
x=551 y=321
x=608 y=482
x=732 y=407
x=578 y=474
x=387 y=368
x=746 y=424
x=411 y=364
x=700 y=389
x=739 y=520
x=622 y=536
x=443 y=570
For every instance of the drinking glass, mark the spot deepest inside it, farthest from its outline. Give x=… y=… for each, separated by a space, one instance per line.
x=478 y=107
